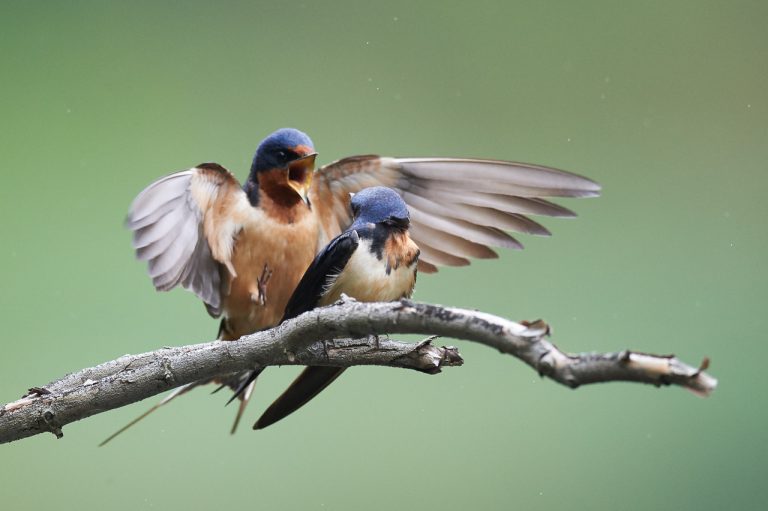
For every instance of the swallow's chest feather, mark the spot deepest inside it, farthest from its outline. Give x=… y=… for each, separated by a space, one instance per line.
x=267 y=249
x=370 y=278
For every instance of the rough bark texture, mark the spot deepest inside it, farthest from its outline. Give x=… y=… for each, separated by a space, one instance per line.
x=342 y=335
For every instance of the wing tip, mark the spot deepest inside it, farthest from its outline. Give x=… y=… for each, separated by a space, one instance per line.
x=261 y=424
x=569 y=193
x=584 y=185
x=588 y=194
x=309 y=383
x=506 y=241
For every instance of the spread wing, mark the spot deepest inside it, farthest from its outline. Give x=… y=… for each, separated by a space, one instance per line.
x=459 y=207
x=184 y=225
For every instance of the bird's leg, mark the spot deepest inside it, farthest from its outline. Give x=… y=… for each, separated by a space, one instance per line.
x=377 y=341
x=261 y=285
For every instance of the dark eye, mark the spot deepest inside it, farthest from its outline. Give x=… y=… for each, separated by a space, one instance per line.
x=398 y=223
x=282 y=155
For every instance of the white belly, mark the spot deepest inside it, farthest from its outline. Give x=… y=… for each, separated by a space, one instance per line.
x=365 y=278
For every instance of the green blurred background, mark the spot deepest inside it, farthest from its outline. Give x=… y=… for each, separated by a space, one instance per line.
x=664 y=103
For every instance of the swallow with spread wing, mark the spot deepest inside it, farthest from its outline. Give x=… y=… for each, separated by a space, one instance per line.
x=243 y=249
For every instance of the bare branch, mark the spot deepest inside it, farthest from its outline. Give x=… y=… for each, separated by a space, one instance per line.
x=341 y=335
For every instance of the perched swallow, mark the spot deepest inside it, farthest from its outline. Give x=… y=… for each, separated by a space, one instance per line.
x=243 y=249
x=374 y=260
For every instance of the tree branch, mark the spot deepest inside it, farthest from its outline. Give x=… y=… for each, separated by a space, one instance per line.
x=341 y=335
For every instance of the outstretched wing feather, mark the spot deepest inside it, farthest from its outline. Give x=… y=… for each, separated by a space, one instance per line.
x=183 y=227
x=459 y=207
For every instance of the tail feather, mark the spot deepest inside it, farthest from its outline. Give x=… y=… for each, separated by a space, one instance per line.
x=245 y=381
x=307 y=385
x=246 y=397
x=223 y=385
x=167 y=399
x=242 y=383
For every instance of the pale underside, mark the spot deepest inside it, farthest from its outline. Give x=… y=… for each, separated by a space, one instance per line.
x=365 y=278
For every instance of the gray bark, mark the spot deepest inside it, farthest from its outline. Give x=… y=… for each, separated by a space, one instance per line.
x=341 y=335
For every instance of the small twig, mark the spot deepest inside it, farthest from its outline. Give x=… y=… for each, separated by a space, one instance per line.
x=353 y=326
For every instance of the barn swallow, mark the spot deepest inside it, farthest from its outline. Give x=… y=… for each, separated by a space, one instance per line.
x=243 y=249
x=374 y=260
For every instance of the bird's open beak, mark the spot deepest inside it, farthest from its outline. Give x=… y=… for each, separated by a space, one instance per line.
x=300 y=175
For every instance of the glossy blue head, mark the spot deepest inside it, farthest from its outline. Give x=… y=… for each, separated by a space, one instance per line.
x=280 y=148
x=379 y=205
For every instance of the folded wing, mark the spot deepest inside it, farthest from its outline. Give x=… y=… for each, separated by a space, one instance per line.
x=308 y=294
x=459 y=207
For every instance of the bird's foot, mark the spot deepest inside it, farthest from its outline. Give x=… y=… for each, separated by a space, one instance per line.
x=377 y=341
x=261 y=286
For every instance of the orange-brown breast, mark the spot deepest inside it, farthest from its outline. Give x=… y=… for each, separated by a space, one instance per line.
x=286 y=248
x=400 y=250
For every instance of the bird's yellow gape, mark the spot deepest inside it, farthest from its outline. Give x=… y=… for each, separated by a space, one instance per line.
x=299 y=175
